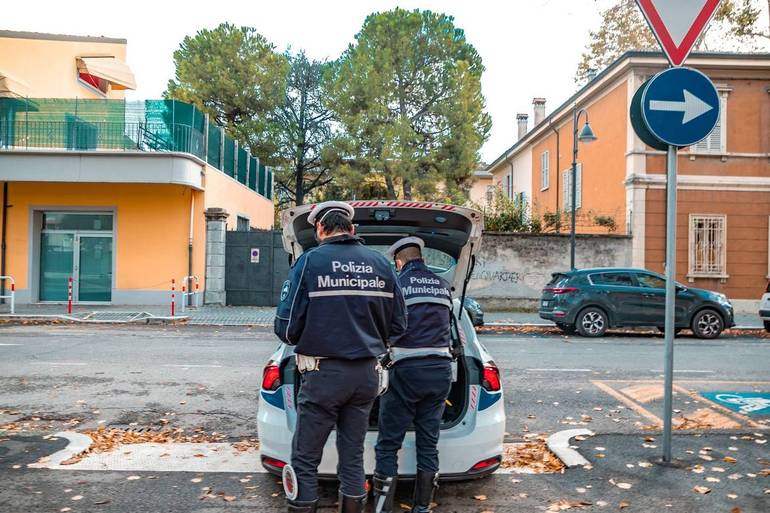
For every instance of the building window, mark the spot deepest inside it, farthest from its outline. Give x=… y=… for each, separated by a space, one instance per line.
x=545 y=171
x=567 y=188
x=716 y=141
x=708 y=248
x=508 y=186
x=243 y=224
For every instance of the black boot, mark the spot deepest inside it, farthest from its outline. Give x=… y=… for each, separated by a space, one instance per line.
x=384 y=493
x=425 y=485
x=351 y=503
x=302 y=506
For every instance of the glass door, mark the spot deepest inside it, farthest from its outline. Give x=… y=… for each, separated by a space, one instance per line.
x=57 y=260
x=94 y=268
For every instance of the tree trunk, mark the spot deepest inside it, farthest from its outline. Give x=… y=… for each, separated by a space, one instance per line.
x=407 y=189
x=299 y=185
x=391 y=187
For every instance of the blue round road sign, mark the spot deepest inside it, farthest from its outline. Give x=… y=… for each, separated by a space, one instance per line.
x=680 y=106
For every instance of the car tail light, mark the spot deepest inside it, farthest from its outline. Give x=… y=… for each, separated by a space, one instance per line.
x=272 y=462
x=486 y=463
x=271 y=376
x=491 y=378
x=560 y=290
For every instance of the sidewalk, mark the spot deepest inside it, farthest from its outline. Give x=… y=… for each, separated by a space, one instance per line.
x=247 y=315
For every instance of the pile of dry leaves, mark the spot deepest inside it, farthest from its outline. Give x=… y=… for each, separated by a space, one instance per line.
x=533 y=455
x=106 y=440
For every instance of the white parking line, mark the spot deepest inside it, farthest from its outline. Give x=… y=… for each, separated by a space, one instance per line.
x=10 y=344
x=58 y=363
x=190 y=365
x=559 y=370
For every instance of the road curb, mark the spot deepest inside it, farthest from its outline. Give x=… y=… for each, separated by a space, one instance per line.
x=77 y=444
x=558 y=443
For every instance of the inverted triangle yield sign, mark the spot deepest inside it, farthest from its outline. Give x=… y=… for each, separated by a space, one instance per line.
x=678 y=23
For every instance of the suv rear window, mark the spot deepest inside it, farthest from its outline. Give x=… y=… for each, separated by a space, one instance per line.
x=619 y=279
x=558 y=281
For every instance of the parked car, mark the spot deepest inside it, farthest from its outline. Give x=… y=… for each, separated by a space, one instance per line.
x=473 y=426
x=590 y=301
x=764 y=307
x=474 y=310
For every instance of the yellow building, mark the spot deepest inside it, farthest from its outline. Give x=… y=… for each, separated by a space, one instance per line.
x=120 y=197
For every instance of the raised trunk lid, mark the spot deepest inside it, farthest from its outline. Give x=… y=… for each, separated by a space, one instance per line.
x=452 y=233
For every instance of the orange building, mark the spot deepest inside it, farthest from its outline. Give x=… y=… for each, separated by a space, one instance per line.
x=119 y=197
x=723 y=186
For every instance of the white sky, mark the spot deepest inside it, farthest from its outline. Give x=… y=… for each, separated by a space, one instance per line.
x=529 y=47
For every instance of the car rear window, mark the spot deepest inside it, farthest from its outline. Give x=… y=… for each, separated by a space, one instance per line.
x=558 y=280
x=619 y=279
x=438 y=261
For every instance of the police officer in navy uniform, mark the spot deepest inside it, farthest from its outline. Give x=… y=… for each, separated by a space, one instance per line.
x=420 y=379
x=341 y=307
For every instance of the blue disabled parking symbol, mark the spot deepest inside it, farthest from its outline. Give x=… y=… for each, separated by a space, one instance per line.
x=680 y=106
x=747 y=403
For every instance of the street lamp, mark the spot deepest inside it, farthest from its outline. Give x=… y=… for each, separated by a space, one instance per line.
x=586 y=136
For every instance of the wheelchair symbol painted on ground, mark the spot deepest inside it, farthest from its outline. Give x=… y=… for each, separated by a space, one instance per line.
x=747 y=403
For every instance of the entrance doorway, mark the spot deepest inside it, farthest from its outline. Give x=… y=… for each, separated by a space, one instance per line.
x=78 y=246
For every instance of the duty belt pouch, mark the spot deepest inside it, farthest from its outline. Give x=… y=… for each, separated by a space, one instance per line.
x=382 y=379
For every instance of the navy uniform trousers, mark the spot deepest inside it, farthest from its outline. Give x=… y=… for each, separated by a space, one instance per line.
x=340 y=394
x=417 y=392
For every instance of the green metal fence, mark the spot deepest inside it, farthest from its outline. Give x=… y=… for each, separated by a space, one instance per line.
x=149 y=125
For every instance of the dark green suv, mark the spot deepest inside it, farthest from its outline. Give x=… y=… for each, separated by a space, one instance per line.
x=590 y=301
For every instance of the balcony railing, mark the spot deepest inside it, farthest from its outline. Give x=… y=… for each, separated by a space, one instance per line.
x=109 y=125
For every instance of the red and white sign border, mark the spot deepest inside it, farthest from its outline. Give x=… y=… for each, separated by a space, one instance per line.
x=677 y=54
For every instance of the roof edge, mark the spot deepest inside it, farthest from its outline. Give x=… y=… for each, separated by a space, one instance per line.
x=18 y=34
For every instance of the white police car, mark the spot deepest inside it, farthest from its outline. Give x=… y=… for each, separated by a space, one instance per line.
x=471 y=441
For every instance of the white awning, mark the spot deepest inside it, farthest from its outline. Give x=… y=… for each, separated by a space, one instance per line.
x=11 y=87
x=113 y=70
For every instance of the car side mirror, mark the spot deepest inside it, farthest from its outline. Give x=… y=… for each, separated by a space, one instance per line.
x=679 y=288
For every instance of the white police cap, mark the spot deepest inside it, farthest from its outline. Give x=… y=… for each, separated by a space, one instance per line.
x=320 y=211
x=405 y=243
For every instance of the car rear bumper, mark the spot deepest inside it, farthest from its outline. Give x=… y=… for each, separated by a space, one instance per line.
x=478 y=438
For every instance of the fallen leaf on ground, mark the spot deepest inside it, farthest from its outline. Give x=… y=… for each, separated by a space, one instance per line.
x=729 y=459
x=196 y=480
x=623 y=504
x=735 y=510
x=480 y=497
x=732 y=496
x=712 y=479
x=565 y=504
x=133 y=478
x=76 y=497
x=229 y=498
x=702 y=489
x=99 y=503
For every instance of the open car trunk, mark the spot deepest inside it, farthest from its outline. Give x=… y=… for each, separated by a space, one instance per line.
x=452 y=237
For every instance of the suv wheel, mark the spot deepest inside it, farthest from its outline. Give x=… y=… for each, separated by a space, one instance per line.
x=707 y=324
x=592 y=322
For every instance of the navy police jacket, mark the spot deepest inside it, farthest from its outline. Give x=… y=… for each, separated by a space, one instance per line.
x=342 y=300
x=429 y=304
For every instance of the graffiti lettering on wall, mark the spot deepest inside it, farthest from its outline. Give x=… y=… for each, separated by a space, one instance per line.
x=501 y=276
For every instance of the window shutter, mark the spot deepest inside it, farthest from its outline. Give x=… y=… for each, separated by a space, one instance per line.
x=579 y=182
x=713 y=142
x=566 y=189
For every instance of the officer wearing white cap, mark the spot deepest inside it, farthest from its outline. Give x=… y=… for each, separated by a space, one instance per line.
x=341 y=307
x=420 y=379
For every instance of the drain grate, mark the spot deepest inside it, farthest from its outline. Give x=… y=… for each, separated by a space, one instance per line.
x=135 y=429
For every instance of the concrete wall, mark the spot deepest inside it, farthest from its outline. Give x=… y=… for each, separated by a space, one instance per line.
x=512 y=269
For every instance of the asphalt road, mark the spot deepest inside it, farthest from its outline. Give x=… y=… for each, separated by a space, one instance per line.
x=208 y=378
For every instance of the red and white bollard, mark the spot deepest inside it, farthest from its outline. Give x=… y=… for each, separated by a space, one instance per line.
x=69 y=295
x=173 y=296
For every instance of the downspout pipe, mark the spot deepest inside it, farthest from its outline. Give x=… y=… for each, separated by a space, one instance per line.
x=558 y=170
x=4 y=231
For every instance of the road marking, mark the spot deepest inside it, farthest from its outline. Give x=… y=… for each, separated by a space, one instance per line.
x=190 y=365
x=58 y=363
x=628 y=402
x=717 y=406
x=559 y=370
x=10 y=344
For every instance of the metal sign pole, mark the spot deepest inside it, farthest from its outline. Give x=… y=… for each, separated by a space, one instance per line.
x=670 y=299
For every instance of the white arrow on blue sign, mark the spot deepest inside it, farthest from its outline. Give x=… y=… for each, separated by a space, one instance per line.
x=680 y=106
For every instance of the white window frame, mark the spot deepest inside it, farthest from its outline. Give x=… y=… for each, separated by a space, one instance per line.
x=703 y=147
x=545 y=170
x=489 y=195
x=720 y=270
x=567 y=191
x=509 y=186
